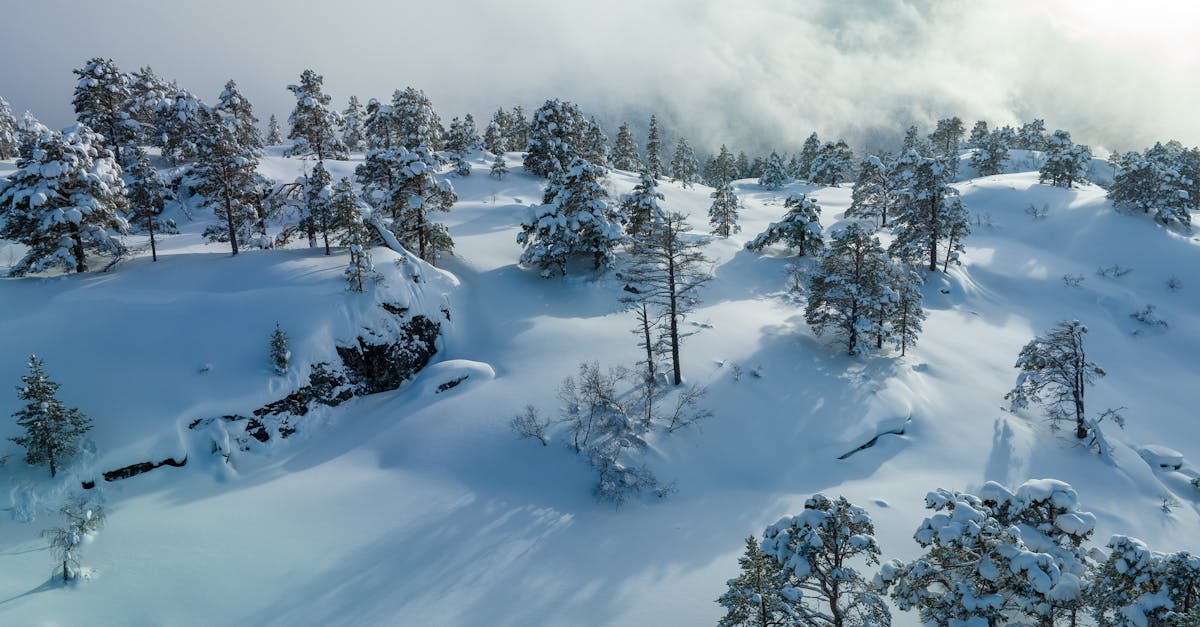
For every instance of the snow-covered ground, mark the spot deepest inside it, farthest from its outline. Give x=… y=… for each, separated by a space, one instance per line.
x=416 y=507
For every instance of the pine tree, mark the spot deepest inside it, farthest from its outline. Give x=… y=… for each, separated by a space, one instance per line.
x=355 y=237
x=237 y=113
x=314 y=125
x=754 y=598
x=903 y=311
x=991 y=153
x=226 y=174
x=1137 y=586
x=403 y=183
x=83 y=519
x=10 y=140
x=504 y=126
x=978 y=133
x=29 y=130
x=52 y=431
x=721 y=169
x=914 y=141
x=493 y=139
x=319 y=214
x=462 y=138
x=947 y=136
x=808 y=154
x=741 y=167
x=417 y=124
x=654 y=163
x=666 y=269
x=774 y=173
x=274 y=138
x=800 y=228
x=723 y=213
x=832 y=164
x=556 y=138
x=181 y=123
x=817 y=550
x=684 y=167
x=1156 y=181
x=929 y=213
x=354 y=137
x=280 y=354
x=517 y=131
x=1031 y=136
x=379 y=126
x=148 y=94
x=640 y=209
x=575 y=218
x=594 y=143
x=625 y=153
x=63 y=202
x=1066 y=162
x=1055 y=372
x=147 y=198
x=873 y=195
x=99 y=102
x=499 y=168
x=847 y=286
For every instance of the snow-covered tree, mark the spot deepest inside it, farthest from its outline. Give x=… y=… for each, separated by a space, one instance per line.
x=314 y=125
x=499 y=168
x=148 y=94
x=280 y=353
x=1137 y=586
x=462 y=137
x=978 y=133
x=808 y=154
x=873 y=195
x=226 y=175
x=723 y=213
x=720 y=169
x=666 y=270
x=1066 y=162
x=181 y=121
x=742 y=166
x=517 y=131
x=929 y=214
x=947 y=136
x=817 y=550
x=848 y=286
x=684 y=167
x=403 y=184
x=832 y=164
x=354 y=137
x=320 y=216
x=64 y=201
x=274 y=136
x=556 y=138
x=755 y=597
x=416 y=122
x=237 y=113
x=1031 y=136
x=52 y=431
x=800 y=228
x=355 y=236
x=99 y=102
x=10 y=139
x=82 y=520
x=902 y=311
x=147 y=198
x=1055 y=372
x=654 y=164
x=625 y=153
x=640 y=208
x=991 y=153
x=493 y=139
x=595 y=143
x=1154 y=181
x=575 y=218
x=774 y=173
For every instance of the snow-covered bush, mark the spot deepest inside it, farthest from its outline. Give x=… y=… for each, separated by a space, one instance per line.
x=81 y=521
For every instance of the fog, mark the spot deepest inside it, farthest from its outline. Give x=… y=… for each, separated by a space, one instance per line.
x=756 y=74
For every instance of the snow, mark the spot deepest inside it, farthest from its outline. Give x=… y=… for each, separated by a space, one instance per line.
x=422 y=504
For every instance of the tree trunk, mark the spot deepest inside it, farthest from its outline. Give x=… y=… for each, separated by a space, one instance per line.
x=77 y=250
x=153 y=246
x=66 y=577
x=233 y=243
x=674 y=302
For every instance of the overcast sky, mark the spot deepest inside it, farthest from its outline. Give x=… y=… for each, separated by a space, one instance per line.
x=759 y=74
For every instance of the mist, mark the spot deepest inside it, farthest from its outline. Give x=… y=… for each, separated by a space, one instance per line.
x=756 y=74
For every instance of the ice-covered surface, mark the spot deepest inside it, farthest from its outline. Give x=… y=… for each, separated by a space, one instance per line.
x=420 y=507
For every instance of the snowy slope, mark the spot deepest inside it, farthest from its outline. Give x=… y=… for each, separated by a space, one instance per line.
x=417 y=507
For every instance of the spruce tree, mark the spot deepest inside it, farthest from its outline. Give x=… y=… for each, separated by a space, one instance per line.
x=800 y=228
x=684 y=167
x=280 y=354
x=991 y=154
x=755 y=597
x=929 y=213
x=847 y=287
x=274 y=138
x=832 y=164
x=774 y=173
x=666 y=270
x=314 y=125
x=226 y=174
x=353 y=135
x=574 y=219
x=1066 y=162
x=64 y=201
x=556 y=138
x=99 y=102
x=625 y=153
x=10 y=140
x=355 y=236
x=499 y=168
x=147 y=198
x=808 y=154
x=723 y=213
x=52 y=431
x=640 y=209
x=654 y=164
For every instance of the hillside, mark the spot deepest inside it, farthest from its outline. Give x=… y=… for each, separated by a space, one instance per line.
x=421 y=507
